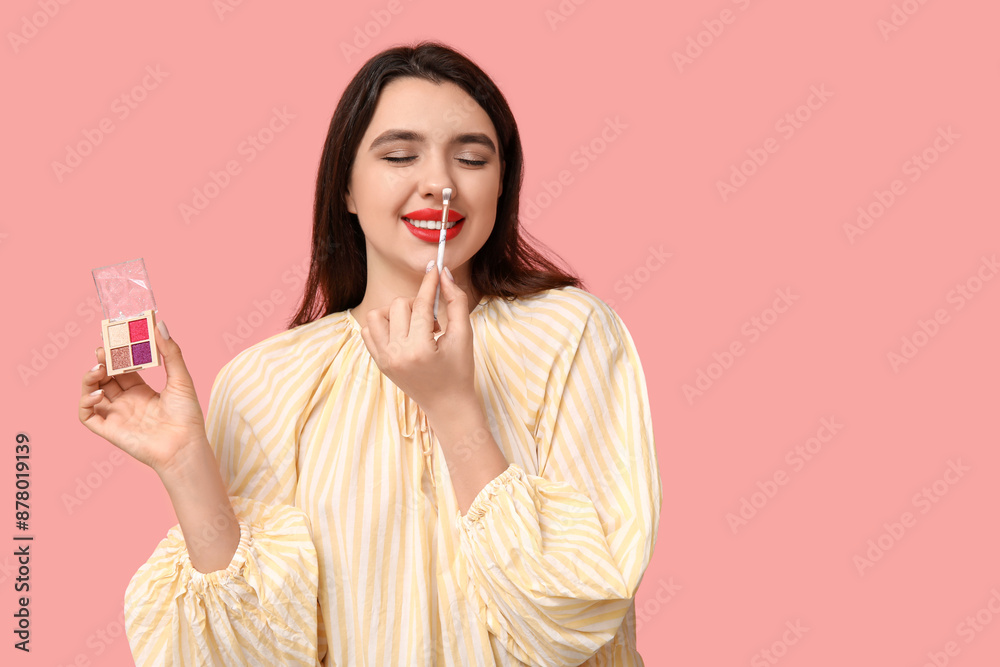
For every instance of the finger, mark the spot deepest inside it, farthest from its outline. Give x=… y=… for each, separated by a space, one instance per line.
x=378 y=333
x=113 y=386
x=92 y=379
x=97 y=378
x=442 y=307
x=400 y=313
x=109 y=384
x=457 y=304
x=173 y=360
x=90 y=392
x=87 y=410
x=422 y=319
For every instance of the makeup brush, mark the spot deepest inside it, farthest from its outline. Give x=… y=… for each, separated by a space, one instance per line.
x=446 y=197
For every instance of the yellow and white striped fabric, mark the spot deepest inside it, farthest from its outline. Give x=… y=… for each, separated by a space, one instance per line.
x=353 y=551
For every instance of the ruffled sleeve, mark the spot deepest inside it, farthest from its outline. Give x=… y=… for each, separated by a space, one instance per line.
x=554 y=559
x=260 y=610
x=263 y=608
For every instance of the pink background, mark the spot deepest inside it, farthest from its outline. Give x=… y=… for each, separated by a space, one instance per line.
x=711 y=596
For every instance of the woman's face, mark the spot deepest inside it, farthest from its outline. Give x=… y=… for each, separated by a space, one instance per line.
x=424 y=137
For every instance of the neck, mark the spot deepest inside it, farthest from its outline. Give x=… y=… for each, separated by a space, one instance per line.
x=378 y=294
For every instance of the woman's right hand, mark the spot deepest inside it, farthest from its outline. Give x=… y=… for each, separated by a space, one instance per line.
x=151 y=427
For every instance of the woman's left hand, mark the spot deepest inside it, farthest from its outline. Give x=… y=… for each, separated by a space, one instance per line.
x=437 y=374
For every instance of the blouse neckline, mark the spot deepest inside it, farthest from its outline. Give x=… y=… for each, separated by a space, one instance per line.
x=357 y=325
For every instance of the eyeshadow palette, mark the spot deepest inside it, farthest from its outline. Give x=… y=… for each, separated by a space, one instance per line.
x=127 y=328
x=129 y=344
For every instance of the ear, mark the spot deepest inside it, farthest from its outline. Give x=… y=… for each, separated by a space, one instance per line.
x=503 y=167
x=349 y=200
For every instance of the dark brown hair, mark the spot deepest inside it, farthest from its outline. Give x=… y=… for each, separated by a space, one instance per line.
x=506 y=266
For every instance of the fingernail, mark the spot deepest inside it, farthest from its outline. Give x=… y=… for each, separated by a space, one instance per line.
x=95 y=367
x=97 y=393
x=430 y=265
x=448 y=273
x=161 y=326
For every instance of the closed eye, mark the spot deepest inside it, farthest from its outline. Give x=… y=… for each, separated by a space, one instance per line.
x=400 y=160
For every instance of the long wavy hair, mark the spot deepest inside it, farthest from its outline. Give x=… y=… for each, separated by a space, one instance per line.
x=506 y=266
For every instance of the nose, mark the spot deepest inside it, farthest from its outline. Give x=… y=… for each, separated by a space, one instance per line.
x=434 y=178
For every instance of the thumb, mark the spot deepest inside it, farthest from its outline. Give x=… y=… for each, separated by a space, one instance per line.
x=173 y=361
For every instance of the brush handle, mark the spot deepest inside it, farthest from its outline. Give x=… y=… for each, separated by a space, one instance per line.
x=440 y=257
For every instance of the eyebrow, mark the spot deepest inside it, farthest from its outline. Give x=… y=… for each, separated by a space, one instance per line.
x=409 y=135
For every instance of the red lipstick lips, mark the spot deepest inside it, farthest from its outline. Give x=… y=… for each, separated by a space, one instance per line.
x=434 y=214
x=434 y=235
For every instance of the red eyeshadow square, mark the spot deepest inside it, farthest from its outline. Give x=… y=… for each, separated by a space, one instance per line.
x=138 y=330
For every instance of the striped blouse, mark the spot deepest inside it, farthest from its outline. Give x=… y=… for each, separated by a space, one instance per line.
x=352 y=549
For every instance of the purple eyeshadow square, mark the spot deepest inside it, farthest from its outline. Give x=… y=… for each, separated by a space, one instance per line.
x=141 y=354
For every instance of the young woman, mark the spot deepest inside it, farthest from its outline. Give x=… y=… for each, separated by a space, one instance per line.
x=377 y=487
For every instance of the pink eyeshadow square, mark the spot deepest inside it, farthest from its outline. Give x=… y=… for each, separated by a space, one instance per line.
x=138 y=330
x=120 y=358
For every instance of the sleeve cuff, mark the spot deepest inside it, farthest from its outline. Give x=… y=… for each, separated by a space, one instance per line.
x=484 y=499
x=233 y=570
